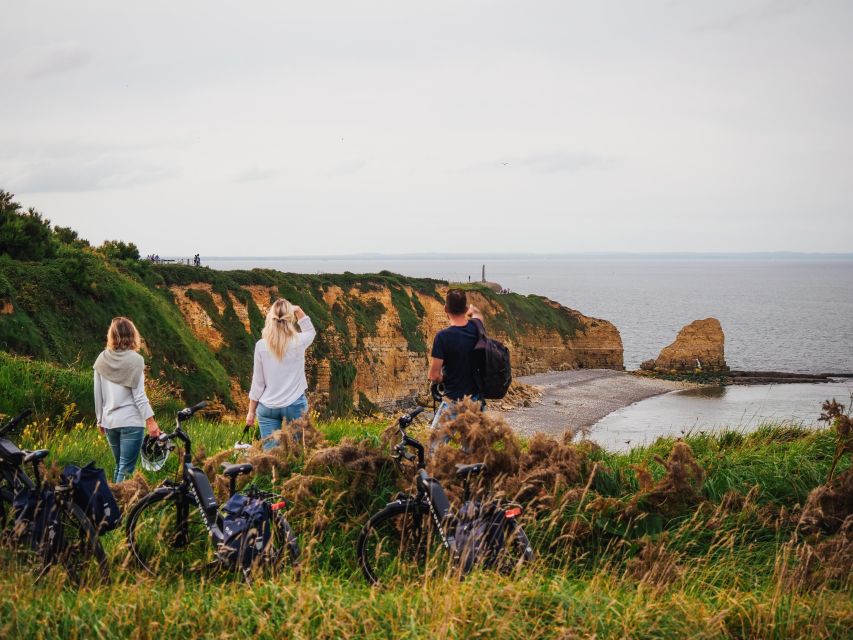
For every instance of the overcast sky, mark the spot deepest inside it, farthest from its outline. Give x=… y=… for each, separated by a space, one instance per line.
x=291 y=128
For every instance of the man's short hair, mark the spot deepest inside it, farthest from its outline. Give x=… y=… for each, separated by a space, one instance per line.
x=456 y=302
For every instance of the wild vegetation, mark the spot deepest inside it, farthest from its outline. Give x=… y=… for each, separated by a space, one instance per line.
x=743 y=535
x=58 y=294
x=727 y=535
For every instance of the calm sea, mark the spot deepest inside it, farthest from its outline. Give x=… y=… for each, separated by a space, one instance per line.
x=742 y=408
x=788 y=314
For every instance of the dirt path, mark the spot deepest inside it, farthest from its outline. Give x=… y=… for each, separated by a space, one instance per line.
x=580 y=398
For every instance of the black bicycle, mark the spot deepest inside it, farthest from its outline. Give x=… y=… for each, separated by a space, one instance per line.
x=41 y=526
x=405 y=539
x=169 y=528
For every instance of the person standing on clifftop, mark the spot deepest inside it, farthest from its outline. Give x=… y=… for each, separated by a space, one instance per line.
x=278 y=379
x=452 y=351
x=122 y=409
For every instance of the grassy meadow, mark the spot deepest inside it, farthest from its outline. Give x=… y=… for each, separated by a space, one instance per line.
x=699 y=539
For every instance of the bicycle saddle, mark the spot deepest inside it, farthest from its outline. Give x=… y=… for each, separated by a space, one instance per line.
x=38 y=454
x=465 y=470
x=233 y=470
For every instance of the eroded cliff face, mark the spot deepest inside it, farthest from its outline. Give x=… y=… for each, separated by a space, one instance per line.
x=373 y=342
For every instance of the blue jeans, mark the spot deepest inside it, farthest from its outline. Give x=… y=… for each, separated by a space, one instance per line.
x=449 y=407
x=125 y=443
x=270 y=419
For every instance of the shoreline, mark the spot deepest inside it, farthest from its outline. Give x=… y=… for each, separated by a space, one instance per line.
x=577 y=399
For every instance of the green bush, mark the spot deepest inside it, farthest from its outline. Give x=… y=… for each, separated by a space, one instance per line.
x=24 y=235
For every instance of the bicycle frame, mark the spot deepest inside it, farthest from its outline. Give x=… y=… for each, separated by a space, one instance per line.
x=429 y=490
x=193 y=483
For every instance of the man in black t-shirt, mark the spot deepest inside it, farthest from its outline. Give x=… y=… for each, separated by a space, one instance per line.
x=452 y=350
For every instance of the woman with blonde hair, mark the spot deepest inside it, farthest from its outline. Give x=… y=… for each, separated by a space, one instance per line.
x=121 y=406
x=278 y=380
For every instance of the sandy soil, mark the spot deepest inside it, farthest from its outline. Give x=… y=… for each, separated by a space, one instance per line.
x=578 y=399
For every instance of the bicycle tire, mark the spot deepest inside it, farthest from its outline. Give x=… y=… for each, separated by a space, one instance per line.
x=282 y=549
x=77 y=556
x=289 y=539
x=6 y=498
x=400 y=536
x=515 y=551
x=152 y=545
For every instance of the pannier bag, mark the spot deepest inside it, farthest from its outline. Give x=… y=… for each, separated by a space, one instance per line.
x=479 y=534
x=36 y=516
x=492 y=368
x=93 y=495
x=246 y=529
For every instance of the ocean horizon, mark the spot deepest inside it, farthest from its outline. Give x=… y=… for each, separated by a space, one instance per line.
x=779 y=311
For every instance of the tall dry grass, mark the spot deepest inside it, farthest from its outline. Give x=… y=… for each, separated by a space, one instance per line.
x=726 y=535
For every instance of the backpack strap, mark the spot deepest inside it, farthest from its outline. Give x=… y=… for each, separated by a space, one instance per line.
x=481 y=332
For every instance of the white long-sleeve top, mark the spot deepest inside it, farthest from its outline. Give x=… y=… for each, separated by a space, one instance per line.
x=119 y=406
x=279 y=383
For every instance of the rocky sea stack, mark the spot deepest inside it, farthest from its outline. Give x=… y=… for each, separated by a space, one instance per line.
x=699 y=345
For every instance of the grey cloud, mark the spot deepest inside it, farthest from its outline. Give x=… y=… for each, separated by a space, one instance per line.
x=76 y=175
x=768 y=10
x=60 y=60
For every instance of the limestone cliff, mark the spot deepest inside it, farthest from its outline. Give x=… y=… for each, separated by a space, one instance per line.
x=699 y=345
x=375 y=330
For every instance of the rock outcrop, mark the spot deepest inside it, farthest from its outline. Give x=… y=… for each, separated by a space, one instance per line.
x=699 y=345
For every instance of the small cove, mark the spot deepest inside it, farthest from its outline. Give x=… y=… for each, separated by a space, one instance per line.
x=743 y=408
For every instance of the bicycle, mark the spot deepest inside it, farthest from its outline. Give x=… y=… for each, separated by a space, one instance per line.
x=404 y=538
x=44 y=527
x=170 y=526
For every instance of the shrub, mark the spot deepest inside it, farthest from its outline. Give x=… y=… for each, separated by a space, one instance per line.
x=119 y=250
x=24 y=235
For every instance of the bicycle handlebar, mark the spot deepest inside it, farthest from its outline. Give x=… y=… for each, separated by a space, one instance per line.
x=14 y=421
x=407 y=418
x=400 y=450
x=185 y=414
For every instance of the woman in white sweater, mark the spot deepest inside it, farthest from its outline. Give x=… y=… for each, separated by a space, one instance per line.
x=278 y=388
x=121 y=406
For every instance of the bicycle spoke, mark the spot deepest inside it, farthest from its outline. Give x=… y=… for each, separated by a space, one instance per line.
x=162 y=541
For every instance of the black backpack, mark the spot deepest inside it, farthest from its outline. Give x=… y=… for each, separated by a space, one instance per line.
x=246 y=529
x=93 y=495
x=492 y=367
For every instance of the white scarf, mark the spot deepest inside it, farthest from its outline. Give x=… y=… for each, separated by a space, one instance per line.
x=121 y=367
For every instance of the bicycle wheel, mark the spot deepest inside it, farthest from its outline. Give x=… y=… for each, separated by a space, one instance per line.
x=77 y=548
x=161 y=539
x=281 y=550
x=515 y=551
x=398 y=542
x=10 y=484
x=6 y=497
x=284 y=546
x=19 y=551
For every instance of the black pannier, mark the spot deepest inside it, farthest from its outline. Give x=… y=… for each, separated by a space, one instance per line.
x=246 y=530
x=93 y=495
x=36 y=516
x=478 y=534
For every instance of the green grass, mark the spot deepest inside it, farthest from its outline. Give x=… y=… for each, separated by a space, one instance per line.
x=723 y=582
x=61 y=309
